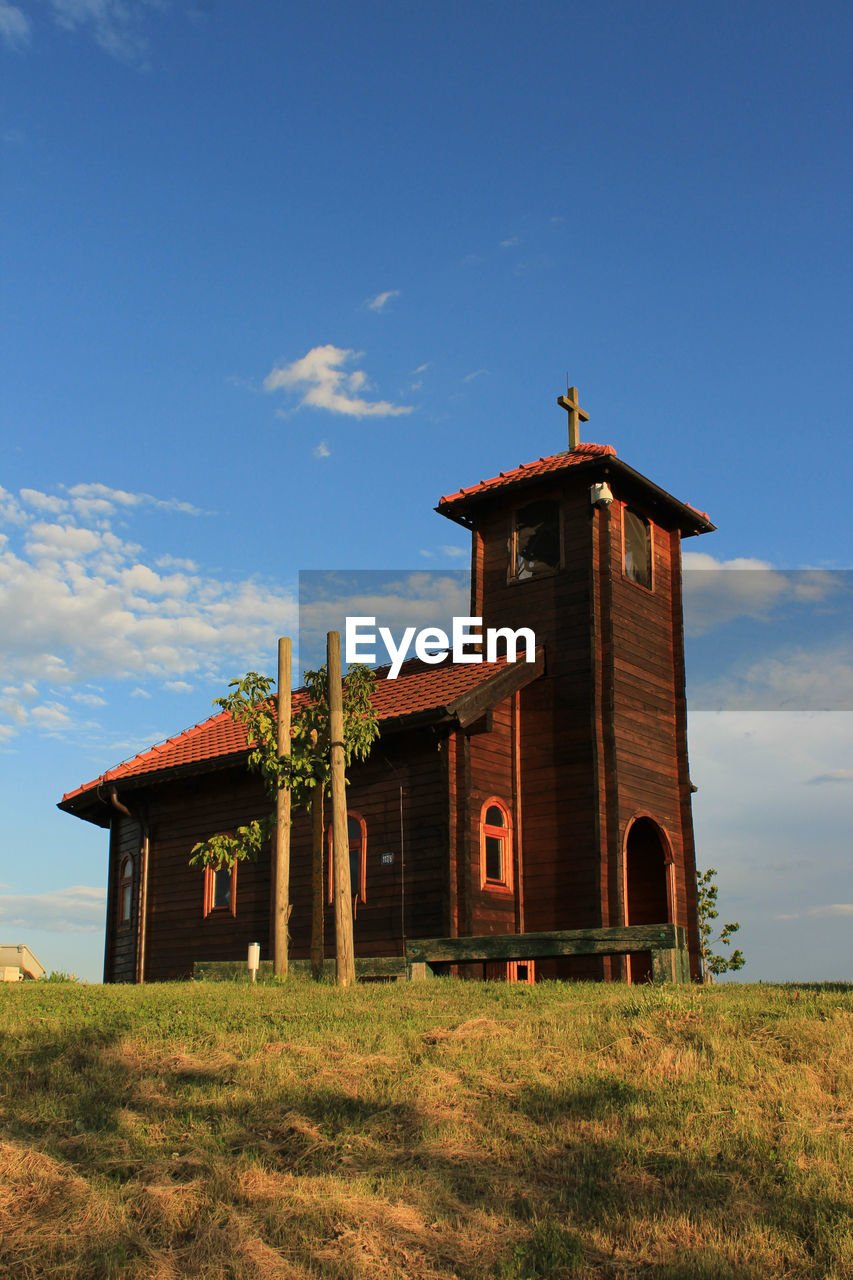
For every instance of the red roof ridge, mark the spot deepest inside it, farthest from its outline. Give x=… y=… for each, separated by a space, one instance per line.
x=555 y=462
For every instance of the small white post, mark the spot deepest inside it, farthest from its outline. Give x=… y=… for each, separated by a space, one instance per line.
x=254 y=959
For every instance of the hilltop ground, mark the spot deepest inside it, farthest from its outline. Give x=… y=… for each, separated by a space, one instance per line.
x=426 y=1131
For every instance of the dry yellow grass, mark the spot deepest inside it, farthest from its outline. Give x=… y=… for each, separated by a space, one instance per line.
x=426 y=1132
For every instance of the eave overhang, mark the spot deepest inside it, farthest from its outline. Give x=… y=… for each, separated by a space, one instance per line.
x=690 y=522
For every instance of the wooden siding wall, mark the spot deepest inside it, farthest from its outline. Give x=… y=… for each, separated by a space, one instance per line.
x=120 y=948
x=491 y=910
x=603 y=734
x=645 y=696
x=561 y=855
x=408 y=896
x=184 y=811
x=180 y=814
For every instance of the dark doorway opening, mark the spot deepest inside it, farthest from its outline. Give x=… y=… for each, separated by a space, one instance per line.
x=647 y=864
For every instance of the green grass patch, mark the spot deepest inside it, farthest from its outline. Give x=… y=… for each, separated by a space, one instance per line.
x=428 y=1130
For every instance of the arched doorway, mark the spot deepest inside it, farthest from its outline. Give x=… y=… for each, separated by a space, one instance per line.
x=648 y=863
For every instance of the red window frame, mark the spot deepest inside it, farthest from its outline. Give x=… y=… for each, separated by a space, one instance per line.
x=125 y=891
x=210 y=908
x=503 y=833
x=358 y=843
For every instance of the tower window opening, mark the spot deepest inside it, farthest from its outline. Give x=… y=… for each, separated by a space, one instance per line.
x=535 y=542
x=637 y=548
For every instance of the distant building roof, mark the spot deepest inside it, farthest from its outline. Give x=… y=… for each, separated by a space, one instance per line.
x=16 y=955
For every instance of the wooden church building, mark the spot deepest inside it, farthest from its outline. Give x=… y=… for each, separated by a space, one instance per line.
x=500 y=798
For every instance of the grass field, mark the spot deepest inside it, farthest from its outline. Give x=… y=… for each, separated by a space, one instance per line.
x=440 y=1129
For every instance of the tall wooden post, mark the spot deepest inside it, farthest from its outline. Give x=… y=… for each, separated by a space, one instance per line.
x=318 y=924
x=281 y=879
x=344 y=954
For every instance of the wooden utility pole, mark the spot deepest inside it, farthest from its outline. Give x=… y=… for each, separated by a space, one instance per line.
x=281 y=878
x=318 y=924
x=344 y=954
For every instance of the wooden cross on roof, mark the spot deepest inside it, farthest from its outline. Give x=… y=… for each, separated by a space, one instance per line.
x=569 y=402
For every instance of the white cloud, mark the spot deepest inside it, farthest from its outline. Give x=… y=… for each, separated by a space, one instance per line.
x=381 y=300
x=43 y=501
x=422 y=368
x=510 y=243
x=469 y=377
x=834 y=775
x=14 y=25
x=116 y=25
x=86 y=497
x=781 y=848
x=419 y=598
x=718 y=591
x=77 y=909
x=139 y=693
x=322 y=450
x=325 y=385
x=178 y=686
x=80 y=604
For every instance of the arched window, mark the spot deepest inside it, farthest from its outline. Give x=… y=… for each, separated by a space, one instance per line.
x=125 y=889
x=220 y=890
x=495 y=845
x=357 y=840
x=637 y=533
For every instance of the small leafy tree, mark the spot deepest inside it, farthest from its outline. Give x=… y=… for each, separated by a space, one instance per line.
x=306 y=771
x=714 y=963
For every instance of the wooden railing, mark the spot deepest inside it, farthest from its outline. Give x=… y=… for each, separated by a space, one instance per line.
x=667 y=944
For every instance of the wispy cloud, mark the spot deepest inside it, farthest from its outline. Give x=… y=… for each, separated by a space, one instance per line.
x=116 y=25
x=834 y=775
x=324 y=384
x=717 y=591
x=830 y=910
x=510 y=243
x=15 y=27
x=478 y=373
x=322 y=450
x=77 y=909
x=380 y=302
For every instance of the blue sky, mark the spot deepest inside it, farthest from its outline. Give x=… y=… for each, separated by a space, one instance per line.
x=274 y=280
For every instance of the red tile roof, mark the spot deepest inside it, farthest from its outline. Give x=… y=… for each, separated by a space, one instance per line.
x=418 y=688
x=527 y=470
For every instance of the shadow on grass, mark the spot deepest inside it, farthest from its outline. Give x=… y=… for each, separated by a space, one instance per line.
x=556 y=1166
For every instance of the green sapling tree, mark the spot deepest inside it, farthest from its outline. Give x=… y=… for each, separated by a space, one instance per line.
x=713 y=963
x=252 y=703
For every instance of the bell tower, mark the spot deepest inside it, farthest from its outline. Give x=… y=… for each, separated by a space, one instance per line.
x=586 y=551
